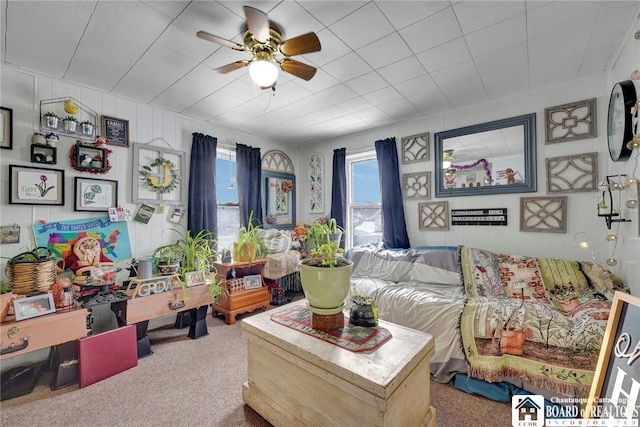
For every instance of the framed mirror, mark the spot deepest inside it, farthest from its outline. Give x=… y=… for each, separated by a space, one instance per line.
x=490 y=158
x=279 y=200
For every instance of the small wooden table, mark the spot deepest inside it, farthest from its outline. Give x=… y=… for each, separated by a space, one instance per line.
x=297 y=379
x=243 y=301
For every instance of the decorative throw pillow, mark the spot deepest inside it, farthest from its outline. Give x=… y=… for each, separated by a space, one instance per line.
x=520 y=277
x=564 y=281
x=602 y=281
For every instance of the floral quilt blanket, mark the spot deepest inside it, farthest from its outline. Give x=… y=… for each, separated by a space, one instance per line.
x=535 y=321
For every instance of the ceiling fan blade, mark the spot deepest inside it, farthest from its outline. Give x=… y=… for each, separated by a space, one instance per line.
x=233 y=66
x=300 y=45
x=298 y=69
x=224 y=42
x=258 y=23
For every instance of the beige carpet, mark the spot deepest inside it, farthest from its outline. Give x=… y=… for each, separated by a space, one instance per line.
x=195 y=383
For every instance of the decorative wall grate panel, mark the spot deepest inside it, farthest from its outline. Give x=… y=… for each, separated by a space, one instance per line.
x=277 y=161
x=570 y=174
x=570 y=122
x=433 y=216
x=543 y=214
x=415 y=148
x=417 y=185
x=316 y=183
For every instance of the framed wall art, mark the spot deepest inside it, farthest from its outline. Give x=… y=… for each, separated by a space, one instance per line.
x=96 y=195
x=433 y=216
x=570 y=174
x=116 y=131
x=35 y=186
x=417 y=185
x=158 y=175
x=415 y=148
x=570 y=122
x=6 y=128
x=543 y=214
x=279 y=200
x=195 y=278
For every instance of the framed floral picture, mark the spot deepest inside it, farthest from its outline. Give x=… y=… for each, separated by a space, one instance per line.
x=95 y=195
x=35 y=186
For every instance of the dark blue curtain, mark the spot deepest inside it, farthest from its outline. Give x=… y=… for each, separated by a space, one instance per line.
x=339 y=187
x=249 y=176
x=202 y=212
x=394 y=228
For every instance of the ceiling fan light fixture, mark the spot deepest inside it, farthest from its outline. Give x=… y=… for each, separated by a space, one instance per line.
x=264 y=73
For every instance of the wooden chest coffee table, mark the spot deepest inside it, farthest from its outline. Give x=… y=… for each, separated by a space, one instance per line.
x=297 y=379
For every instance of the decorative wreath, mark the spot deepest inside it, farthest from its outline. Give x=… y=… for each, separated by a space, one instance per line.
x=74 y=162
x=168 y=183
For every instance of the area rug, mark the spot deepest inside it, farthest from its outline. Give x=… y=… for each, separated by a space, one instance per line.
x=350 y=337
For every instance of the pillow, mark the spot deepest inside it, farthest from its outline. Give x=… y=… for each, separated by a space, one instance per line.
x=520 y=274
x=601 y=280
x=562 y=276
x=485 y=273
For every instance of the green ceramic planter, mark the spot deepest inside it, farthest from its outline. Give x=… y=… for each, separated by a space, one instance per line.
x=325 y=288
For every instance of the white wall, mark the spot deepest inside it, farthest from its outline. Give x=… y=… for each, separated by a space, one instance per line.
x=581 y=214
x=23 y=91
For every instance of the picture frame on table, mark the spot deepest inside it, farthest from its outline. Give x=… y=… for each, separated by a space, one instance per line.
x=95 y=195
x=195 y=278
x=6 y=128
x=37 y=305
x=253 y=281
x=30 y=185
x=116 y=131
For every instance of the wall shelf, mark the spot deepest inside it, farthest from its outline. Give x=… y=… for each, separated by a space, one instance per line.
x=57 y=106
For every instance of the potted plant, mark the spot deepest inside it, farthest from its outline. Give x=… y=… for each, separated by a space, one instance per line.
x=363 y=310
x=323 y=231
x=167 y=258
x=249 y=245
x=70 y=123
x=326 y=278
x=86 y=127
x=51 y=120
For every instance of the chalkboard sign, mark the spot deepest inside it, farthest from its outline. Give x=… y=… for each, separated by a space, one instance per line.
x=615 y=391
x=479 y=216
x=116 y=131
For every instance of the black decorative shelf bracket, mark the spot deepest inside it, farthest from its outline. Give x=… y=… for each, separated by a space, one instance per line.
x=610 y=218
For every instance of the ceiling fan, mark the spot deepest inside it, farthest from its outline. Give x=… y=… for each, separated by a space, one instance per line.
x=263 y=40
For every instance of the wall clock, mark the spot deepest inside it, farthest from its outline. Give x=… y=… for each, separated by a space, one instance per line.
x=619 y=128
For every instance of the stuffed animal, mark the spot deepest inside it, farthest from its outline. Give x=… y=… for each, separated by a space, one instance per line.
x=85 y=160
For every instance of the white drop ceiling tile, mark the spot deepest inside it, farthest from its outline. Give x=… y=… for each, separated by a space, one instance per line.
x=292 y=91
x=373 y=115
x=420 y=84
x=332 y=48
x=383 y=96
x=170 y=8
x=498 y=36
x=175 y=66
x=463 y=95
x=366 y=83
x=402 y=70
x=294 y=20
x=399 y=109
x=182 y=38
x=355 y=105
x=560 y=16
x=474 y=16
x=337 y=94
x=347 y=67
x=432 y=101
x=176 y=98
x=239 y=89
x=213 y=18
x=432 y=31
x=320 y=82
x=385 y=51
x=329 y=12
x=137 y=88
x=445 y=55
x=351 y=28
x=222 y=56
x=135 y=17
x=313 y=104
x=461 y=74
x=404 y=13
x=557 y=62
x=504 y=72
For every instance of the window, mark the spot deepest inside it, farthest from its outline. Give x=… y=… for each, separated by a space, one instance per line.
x=364 y=207
x=227 y=198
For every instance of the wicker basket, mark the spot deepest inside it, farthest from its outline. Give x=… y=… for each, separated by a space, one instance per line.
x=31 y=272
x=235 y=285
